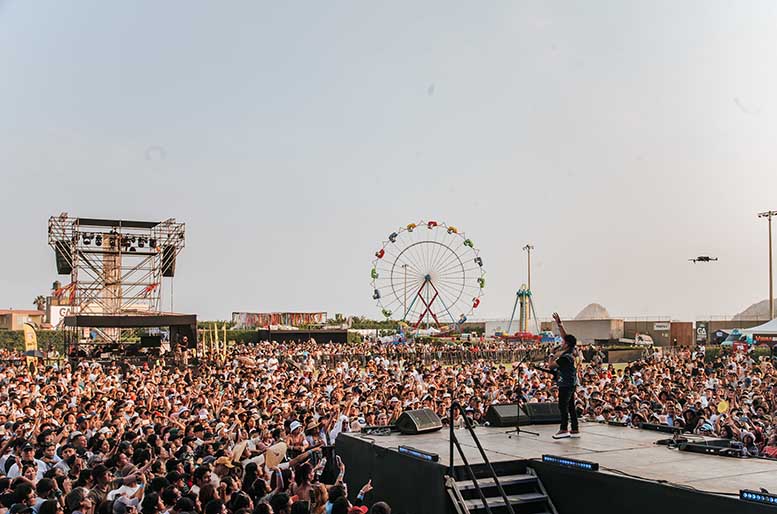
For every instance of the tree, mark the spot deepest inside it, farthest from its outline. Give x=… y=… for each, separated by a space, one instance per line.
x=40 y=302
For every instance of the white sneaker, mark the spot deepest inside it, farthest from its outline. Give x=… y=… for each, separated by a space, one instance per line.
x=561 y=434
x=575 y=434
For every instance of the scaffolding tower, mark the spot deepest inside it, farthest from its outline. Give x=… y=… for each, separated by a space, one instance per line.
x=115 y=266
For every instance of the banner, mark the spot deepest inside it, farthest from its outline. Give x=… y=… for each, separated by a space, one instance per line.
x=701 y=331
x=30 y=342
x=662 y=327
x=765 y=338
x=243 y=320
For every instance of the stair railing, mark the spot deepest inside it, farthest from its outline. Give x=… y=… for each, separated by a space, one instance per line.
x=456 y=406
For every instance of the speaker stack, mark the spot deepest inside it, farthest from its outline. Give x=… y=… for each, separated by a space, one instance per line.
x=509 y=415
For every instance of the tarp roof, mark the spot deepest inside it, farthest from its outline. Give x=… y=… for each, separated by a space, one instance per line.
x=770 y=328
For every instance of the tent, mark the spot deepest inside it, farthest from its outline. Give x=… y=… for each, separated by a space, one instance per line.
x=766 y=333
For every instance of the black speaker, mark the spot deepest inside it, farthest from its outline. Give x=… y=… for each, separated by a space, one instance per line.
x=506 y=415
x=543 y=413
x=150 y=341
x=62 y=254
x=168 y=261
x=418 y=421
x=721 y=447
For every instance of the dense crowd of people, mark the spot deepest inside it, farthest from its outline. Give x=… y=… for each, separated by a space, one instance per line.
x=251 y=432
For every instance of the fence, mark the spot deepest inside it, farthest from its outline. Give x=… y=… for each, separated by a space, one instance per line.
x=444 y=357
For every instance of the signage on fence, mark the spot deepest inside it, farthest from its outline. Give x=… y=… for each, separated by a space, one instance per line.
x=662 y=327
x=765 y=338
x=701 y=331
x=244 y=320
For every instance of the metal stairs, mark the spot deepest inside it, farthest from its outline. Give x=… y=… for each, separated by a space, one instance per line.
x=506 y=488
x=524 y=491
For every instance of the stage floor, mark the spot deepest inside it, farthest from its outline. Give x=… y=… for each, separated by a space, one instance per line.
x=616 y=449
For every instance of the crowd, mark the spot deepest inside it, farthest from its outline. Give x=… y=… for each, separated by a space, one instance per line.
x=251 y=432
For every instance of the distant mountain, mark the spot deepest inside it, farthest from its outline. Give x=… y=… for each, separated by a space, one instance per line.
x=593 y=311
x=759 y=310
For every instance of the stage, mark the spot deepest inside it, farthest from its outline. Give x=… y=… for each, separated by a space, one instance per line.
x=620 y=452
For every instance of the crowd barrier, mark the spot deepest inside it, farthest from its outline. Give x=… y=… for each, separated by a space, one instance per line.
x=444 y=357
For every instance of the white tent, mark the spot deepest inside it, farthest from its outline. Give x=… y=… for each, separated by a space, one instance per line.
x=768 y=328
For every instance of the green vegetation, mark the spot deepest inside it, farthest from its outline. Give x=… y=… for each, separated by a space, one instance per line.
x=47 y=340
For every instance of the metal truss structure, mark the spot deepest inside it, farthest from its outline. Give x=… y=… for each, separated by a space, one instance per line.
x=115 y=266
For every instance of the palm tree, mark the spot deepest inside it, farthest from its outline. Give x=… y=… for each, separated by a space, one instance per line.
x=40 y=302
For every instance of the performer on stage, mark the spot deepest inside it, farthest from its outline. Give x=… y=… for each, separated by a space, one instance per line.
x=564 y=360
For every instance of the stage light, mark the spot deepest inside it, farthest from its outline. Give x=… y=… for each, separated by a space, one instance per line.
x=98 y=240
x=133 y=249
x=152 y=243
x=87 y=239
x=571 y=463
x=757 y=497
x=141 y=242
x=418 y=454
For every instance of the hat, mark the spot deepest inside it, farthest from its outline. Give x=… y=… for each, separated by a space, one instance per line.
x=294 y=425
x=275 y=454
x=121 y=503
x=27 y=447
x=225 y=461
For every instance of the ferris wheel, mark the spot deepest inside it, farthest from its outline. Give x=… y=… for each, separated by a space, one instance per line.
x=429 y=271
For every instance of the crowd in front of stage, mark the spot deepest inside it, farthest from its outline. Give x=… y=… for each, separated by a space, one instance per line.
x=250 y=432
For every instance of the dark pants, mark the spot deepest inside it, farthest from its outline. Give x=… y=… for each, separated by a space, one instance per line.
x=566 y=405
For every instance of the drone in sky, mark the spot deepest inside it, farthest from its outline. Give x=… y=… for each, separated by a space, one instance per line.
x=703 y=258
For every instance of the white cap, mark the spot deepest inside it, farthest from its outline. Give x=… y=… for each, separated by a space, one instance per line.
x=294 y=425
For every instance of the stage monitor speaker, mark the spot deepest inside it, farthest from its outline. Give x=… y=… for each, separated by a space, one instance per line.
x=168 y=261
x=543 y=413
x=724 y=448
x=62 y=254
x=418 y=421
x=506 y=415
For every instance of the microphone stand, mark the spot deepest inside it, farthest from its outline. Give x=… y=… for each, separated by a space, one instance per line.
x=518 y=404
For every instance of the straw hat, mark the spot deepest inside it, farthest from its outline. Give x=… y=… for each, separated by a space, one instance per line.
x=275 y=454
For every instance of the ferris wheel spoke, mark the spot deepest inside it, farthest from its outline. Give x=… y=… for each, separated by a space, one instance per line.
x=452 y=248
x=456 y=291
x=411 y=263
x=407 y=257
x=402 y=260
x=446 y=259
x=444 y=255
x=443 y=250
x=454 y=267
x=463 y=271
x=453 y=260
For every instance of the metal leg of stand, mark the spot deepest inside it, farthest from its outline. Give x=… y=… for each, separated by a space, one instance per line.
x=517 y=430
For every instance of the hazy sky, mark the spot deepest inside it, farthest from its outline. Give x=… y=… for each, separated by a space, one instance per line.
x=620 y=138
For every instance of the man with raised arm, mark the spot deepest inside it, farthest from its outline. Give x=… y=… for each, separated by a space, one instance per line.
x=564 y=361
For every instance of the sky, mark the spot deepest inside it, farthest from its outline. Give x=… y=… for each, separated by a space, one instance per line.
x=620 y=138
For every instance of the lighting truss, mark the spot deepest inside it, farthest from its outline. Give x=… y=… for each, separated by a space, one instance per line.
x=116 y=266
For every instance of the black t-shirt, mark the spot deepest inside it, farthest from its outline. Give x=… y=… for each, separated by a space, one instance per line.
x=567 y=376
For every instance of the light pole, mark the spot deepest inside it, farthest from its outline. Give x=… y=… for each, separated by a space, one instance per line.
x=768 y=215
x=528 y=249
x=404 y=306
